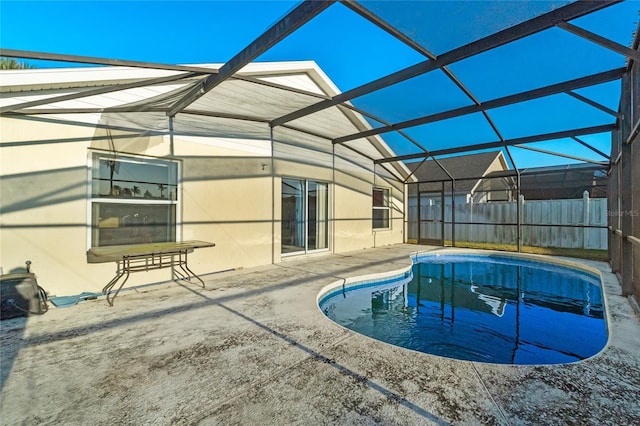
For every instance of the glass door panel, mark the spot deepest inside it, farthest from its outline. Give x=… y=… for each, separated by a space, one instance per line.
x=317 y=230
x=293 y=216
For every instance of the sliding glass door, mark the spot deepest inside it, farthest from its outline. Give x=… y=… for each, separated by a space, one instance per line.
x=305 y=218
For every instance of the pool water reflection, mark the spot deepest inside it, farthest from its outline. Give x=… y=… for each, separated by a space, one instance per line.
x=481 y=308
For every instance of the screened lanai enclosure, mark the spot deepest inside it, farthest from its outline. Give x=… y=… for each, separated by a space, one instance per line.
x=423 y=122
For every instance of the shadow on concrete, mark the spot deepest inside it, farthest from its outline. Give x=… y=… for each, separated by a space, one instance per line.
x=84 y=330
x=11 y=333
x=317 y=356
x=219 y=301
x=13 y=320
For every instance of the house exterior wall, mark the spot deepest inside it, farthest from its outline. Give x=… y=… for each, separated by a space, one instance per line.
x=499 y=187
x=228 y=197
x=43 y=203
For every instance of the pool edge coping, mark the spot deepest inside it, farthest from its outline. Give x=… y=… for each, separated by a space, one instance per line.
x=355 y=280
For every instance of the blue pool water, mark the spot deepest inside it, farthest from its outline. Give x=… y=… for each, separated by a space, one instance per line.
x=487 y=308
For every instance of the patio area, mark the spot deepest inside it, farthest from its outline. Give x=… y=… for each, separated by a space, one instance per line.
x=253 y=348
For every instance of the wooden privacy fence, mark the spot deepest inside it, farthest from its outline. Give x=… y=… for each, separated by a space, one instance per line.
x=575 y=223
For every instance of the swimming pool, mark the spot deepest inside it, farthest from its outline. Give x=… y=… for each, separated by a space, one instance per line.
x=495 y=308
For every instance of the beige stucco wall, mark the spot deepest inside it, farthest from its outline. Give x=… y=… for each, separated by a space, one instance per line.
x=43 y=207
x=499 y=164
x=227 y=197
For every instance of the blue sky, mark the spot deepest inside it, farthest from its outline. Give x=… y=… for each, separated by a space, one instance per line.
x=352 y=52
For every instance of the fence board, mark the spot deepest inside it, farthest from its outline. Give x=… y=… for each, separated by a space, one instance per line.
x=583 y=211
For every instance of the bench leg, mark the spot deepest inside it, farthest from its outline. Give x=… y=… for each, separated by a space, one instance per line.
x=186 y=273
x=186 y=267
x=111 y=298
x=114 y=280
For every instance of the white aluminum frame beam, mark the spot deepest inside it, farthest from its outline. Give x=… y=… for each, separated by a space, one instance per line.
x=299 y=16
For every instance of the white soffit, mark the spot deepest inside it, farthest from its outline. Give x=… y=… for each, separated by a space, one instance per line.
x=57 y=78
x=105 y=100
x=231 y=97
x=247 y=147
x=251 y=99
x=195 y=125
x=297 y=81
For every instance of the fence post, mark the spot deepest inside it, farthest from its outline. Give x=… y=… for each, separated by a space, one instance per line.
x=586 y=216
x=519 y=206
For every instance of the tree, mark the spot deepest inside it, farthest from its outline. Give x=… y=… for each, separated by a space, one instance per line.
x=112 y=169
x=161 y=187
x=12 y=64
x=135 y=190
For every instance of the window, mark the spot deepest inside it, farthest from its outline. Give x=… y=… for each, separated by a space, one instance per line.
x=133 y=200
x=305 y=211
x=381 y=209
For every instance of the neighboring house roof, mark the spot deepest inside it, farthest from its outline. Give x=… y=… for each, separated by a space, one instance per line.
x=559 y=182
x=469 y=167
x=563 y=182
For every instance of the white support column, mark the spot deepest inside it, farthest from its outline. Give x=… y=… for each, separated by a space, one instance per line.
x=520 y=206
x=586 y=216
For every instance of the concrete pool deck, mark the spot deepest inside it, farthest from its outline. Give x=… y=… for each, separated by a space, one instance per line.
x=253 y=348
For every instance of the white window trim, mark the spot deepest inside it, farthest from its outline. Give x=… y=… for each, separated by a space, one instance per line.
x=388 y=207
x=142 y=158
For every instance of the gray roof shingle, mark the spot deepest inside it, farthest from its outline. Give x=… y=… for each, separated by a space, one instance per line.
x=460 y=167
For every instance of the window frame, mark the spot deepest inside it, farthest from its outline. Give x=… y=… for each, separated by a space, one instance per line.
x=387 y=198
x=96 y=155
